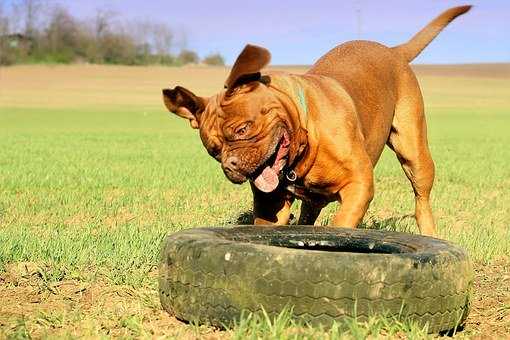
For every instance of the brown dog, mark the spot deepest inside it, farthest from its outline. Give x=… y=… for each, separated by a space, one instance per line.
x=318 y=136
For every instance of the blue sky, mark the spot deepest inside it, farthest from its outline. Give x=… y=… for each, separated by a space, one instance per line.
x=298 y=32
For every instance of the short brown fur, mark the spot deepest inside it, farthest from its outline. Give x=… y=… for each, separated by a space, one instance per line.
x=356 y=99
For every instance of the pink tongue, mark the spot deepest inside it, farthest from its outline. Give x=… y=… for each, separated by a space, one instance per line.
x=267 y=181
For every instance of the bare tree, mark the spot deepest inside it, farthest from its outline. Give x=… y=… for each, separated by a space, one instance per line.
x=141 y=33
x=29 y=10
x=188 y=57
x=180 y=41
x=6 y=54
x=2 y=8
x=52 y=33
x=103 y=22
x=64 y=37
x=119 y=48
x=214 y=59
x=11 y=16
x=101 y=26
x=4 y=20
x=153 y=40
x=162 y=39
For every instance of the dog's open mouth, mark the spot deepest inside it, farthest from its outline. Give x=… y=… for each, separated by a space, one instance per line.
x=268 y=179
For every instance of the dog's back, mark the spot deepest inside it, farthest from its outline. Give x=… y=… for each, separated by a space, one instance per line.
x=368 y=71
x=377 y=77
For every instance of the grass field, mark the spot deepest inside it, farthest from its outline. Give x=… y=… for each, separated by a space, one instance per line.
x=94 y=172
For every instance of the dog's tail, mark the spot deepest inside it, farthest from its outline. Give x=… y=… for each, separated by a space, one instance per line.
x=413 y=47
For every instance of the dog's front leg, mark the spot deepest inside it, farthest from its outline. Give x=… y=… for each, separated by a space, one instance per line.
x=271 y=208
x=355 y=198
x=309 y=212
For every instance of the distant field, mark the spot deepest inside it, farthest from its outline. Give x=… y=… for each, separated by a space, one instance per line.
x=496 y=70
x=94 y=172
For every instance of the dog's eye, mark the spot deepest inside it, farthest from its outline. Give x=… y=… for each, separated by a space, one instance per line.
x=241 y=131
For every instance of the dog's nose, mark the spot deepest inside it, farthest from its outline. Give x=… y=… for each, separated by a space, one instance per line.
x=231 y=163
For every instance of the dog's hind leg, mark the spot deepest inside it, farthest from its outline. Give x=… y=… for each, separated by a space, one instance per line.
x=408 y=138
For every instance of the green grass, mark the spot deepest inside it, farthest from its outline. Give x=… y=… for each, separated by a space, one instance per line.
x=89 y=194
x=100 y=189
x=283 y=327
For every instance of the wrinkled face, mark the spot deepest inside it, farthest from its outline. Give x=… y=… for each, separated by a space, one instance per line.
x=244 y=127
x=255 y=138
x=210 y=132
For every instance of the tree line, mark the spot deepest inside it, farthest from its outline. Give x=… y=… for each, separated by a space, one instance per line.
x=31 y=31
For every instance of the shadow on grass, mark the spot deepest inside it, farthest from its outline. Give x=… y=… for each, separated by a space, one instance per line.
x=404 y=223
x=246 y=218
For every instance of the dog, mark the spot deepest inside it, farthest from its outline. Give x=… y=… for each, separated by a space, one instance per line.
x=317 y=136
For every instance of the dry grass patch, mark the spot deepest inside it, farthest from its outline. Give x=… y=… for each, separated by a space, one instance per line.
x=490 y=313
x=34 y=307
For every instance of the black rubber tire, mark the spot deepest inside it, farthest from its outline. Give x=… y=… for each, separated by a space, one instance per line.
x=210 y=275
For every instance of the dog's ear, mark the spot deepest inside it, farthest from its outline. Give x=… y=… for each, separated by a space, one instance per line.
x=184 y=103
x=247 y=66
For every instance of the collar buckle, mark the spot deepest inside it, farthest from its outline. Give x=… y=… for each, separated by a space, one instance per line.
x=291 y=176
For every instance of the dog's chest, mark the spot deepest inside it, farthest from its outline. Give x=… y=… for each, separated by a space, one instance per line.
x=310 y=193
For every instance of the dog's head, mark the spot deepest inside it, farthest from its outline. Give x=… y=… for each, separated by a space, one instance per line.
x=202 y=114
x=246 y=126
